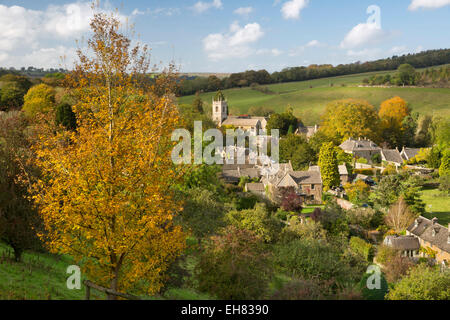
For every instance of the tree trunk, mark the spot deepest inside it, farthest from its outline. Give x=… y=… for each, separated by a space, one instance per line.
x=17 y=254
x=114 y=288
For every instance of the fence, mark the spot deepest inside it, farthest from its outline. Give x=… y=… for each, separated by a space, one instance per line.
x=90 y=285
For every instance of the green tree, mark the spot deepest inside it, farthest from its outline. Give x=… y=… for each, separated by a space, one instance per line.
x=11 y=96
x=197 y=104
x=19 y=221
x=296 y=149
x=65 y=116
x=444 y=169
x=282 y=122
x=257 y=220
x=406 y=73
x=422 y=283
x=329 y=167
x=235 y=266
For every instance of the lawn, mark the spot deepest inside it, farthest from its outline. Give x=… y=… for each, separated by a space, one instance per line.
x=437 y=205
x=40 y=276
x=309 y=98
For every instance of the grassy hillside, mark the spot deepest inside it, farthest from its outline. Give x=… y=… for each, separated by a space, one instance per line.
x=39 y=277
x=309 y=98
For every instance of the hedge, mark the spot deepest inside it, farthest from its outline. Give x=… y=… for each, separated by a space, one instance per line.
x=362 y=248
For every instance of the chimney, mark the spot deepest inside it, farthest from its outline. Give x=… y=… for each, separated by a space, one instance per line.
x=434 y=231
x=416 y=223
x=434 y=221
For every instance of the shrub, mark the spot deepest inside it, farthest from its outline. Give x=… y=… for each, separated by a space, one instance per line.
x=362 y=248
x=367 y=172
x=234 y=266
x=422 y=283
x=385 y=254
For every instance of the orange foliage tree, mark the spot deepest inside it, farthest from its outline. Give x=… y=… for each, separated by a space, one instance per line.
x=392 y=113
x=106 y=197
x=350 y=118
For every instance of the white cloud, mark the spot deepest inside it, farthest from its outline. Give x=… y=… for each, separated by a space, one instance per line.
x=234 y=44
x=201 y=6
x=363 y=34
x=157 y=12
x=243 y=11
x=292 y=8
x=68 y=20
x=314 y=43
x=273 y=52
x=428 y=4
x=26 y=36
x=18 y=27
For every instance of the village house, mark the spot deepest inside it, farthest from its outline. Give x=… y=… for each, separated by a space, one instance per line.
x=409 y=153
x=256 y=189
x=361 y=148
x=307 y=184
x=308 y=131
x=409 y=246
x=343 y=173
x=392 y=156
x=432 y=235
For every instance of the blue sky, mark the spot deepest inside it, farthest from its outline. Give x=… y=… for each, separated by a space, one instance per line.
x=231 y=35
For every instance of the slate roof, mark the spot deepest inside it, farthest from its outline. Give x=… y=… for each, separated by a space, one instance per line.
x=309 y=131
x=392 y=156
x=342 y=169
x=362 y=144
x=255 y=187
x=403 y=243
x=432 y=232
x=409 y=153
x=241 y=122
x=306 y=177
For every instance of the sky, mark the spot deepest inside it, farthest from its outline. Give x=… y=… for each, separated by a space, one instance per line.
x=229 y=35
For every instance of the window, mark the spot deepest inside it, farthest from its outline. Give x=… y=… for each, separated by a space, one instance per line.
x=313 y=187
x=217 y=109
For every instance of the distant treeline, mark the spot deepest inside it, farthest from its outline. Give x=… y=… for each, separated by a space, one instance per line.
x=244 y=79
x=31 y=72
x=436 y=77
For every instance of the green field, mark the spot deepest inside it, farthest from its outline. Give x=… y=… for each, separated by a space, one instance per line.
x=437 y=205
x=309 y=98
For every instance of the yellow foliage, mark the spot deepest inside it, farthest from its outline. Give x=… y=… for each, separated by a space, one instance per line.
x=393 y=111
x=39 y=99
x=351 y=118
x=106 y=199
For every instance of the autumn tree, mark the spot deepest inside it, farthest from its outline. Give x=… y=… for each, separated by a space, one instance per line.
x=392 y=114
x=329 y=168
x=399 y=216
x=358 y=192
x=39 y=99
x=106 y=198
x=350 y=118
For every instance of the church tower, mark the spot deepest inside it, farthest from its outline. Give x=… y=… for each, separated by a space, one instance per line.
x=220 y=108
